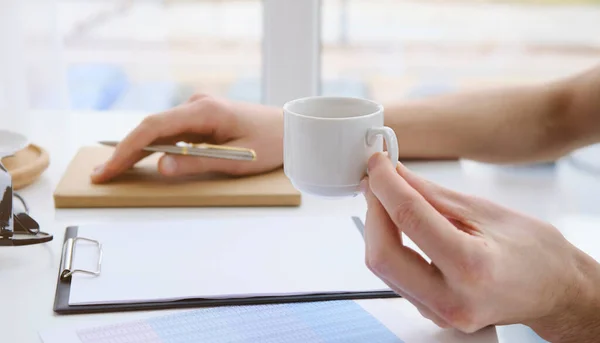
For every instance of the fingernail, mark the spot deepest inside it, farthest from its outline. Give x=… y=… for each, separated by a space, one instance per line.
x=169 y=165
x=98 y=169
x=363 y=186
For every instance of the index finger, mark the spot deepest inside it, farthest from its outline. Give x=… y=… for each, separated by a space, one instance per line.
x=170 y=123
x=411 y=213
x=389 y=259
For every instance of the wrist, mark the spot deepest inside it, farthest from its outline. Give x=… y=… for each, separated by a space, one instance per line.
x=577 y=317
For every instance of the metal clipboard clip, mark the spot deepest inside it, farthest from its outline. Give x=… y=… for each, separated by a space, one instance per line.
x=67 y=259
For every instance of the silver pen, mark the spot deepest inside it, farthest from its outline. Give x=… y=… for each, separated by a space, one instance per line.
x=201 y=150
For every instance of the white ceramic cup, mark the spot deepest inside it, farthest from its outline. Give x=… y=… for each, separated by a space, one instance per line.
x=329 y=140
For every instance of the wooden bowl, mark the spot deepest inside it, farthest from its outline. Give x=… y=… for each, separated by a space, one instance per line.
x=26 y=165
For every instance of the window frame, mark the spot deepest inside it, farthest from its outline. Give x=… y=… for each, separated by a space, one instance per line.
x=291 y=50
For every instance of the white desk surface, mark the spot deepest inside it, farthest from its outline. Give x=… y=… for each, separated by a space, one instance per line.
x=560 y=194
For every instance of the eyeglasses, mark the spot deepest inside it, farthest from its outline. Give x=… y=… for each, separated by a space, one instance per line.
x=17 y=227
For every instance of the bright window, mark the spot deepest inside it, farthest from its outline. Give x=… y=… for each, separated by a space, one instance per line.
x=391 y=50
x=149 y=55
x=152 y=55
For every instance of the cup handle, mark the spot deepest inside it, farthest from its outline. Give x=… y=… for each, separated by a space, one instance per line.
x=391 y=141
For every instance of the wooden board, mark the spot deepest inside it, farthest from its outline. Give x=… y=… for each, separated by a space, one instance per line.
x=26 y=165
x=143 y=186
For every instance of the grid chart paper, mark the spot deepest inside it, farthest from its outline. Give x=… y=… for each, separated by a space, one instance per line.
x=323 y=322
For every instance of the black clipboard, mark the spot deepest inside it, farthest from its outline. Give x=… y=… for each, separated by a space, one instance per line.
x=63 y=289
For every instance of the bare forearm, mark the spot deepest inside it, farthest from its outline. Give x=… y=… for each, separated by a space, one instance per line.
x=584 y=110
x=578 y=319
x=509 y=125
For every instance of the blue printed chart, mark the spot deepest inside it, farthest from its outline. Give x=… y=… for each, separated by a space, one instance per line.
x=323 y=322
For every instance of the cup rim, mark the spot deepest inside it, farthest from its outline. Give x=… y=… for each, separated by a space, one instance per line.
x=286 y=107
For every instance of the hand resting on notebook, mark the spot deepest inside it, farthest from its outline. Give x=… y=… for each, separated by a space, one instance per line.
x=489 y=265
x=203 y=119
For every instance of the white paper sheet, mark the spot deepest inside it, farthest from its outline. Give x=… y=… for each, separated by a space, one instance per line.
x=222 y=258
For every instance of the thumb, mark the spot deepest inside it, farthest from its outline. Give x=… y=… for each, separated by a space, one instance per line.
x=181 y=165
